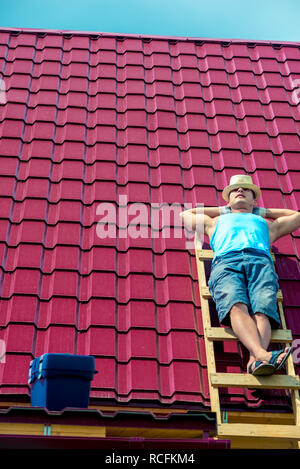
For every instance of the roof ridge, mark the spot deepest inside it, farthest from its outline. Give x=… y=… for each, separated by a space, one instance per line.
x=98 y=34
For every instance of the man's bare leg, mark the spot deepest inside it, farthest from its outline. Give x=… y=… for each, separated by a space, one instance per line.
x=255 y=334
x=264 y=331
x=246 y=330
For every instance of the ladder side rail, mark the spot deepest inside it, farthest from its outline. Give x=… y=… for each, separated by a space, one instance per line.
x=295 y=397
x=209 y=345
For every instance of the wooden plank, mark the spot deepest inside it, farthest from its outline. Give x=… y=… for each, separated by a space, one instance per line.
x=226 y=333
x=205 y=254
x=237 y=442
x=204 y=291
x=142 y=432
x=291 y=432
x=208 y=254
x=78 y=430
x=239 y=380
x=13 y=428
x=266 y=418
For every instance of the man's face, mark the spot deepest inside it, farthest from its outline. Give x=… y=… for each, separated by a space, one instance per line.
x=242 y=198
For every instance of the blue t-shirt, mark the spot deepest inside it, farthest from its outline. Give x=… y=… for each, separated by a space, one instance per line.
x=237 y=231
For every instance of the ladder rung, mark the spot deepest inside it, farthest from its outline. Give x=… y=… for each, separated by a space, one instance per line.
x=205 y=254
x=226 y=333
x=208 y=254
x=239 y=380
x=206 y=293
x=291 y=432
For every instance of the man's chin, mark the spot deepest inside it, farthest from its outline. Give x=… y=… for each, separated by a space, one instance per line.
x=241 y=204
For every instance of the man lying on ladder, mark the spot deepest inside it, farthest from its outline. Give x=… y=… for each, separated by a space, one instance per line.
x=243 y=281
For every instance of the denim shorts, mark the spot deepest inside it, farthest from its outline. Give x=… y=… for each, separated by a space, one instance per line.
x=247 y=277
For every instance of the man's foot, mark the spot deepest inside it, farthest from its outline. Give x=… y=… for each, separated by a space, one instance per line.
x=267 y=356
x=258 y=368
x=280 y=357
x=277 y=358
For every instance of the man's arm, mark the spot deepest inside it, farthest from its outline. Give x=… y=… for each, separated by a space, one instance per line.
x=275 y=213
x=197 y=221
x=286 y=222
x=211 y=212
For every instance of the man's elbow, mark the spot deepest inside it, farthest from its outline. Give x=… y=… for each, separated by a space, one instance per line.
x=188 y=219
x=297 y=216
x=295 y=222
x=186 y=215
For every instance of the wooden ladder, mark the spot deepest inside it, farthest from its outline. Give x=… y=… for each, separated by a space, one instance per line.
x=290 y=381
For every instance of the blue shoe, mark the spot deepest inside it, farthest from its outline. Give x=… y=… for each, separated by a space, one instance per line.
x=275 y=355
x=261 y=369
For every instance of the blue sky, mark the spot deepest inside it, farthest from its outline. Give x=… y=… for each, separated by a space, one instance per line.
x=275 y=20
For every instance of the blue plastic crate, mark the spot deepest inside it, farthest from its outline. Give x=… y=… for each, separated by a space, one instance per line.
x=60 y=380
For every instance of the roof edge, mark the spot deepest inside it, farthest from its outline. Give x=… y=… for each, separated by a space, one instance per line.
x=147 y=36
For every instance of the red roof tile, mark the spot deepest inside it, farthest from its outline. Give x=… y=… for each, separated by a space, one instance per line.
x=91 y=117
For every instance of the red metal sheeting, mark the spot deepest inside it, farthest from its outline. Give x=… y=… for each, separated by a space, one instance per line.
x=87 y=119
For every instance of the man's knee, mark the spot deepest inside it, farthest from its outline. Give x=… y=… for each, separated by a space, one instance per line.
x=261 y=317
x=239 y=308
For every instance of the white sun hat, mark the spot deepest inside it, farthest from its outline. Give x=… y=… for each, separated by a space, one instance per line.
x=240 y=180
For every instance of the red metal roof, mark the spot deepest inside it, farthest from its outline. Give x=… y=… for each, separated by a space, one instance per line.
x=91 y=117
